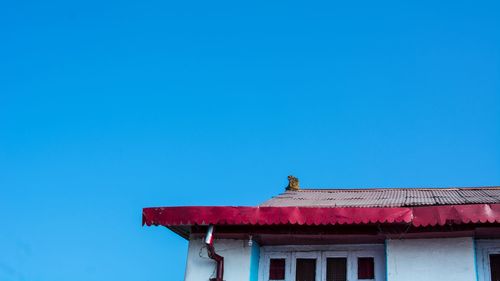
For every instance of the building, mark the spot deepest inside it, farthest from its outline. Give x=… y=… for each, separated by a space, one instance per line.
x=386 y=234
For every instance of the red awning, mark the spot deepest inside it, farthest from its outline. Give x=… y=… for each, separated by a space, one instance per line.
x=417 y=216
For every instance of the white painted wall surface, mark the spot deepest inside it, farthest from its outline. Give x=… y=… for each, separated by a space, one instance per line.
x=444 y=259
x=236 y=255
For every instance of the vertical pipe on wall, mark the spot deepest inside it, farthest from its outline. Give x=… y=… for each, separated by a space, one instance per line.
x=213 y=255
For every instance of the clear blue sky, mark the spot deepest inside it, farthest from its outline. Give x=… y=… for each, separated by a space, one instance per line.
x=108 y=107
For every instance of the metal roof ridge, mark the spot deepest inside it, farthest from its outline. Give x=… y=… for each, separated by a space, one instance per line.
x=396 y=188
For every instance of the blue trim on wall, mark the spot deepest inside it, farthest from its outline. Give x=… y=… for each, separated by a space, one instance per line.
x=475 y=258
x=254 y=261
x=386 y=261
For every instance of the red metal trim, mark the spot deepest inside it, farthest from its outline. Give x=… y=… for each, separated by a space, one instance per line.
x=416 y=216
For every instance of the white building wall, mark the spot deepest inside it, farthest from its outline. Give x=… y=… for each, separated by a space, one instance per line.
x=443 y=259
x=236 y=255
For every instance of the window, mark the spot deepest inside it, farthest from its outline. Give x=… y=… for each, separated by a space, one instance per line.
x=495 y=267
x=277 y=269
x=488 y=259
x=323 y=263
x=366 y=268
x=336 y=269
x=305 y=270
x=305 y=266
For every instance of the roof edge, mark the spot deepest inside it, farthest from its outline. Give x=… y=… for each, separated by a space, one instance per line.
x=307 y=189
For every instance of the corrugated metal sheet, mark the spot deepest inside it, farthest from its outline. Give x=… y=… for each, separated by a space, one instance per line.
x=385 y=197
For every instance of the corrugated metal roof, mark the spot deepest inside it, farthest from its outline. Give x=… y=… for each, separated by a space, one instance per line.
x=385 y=197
